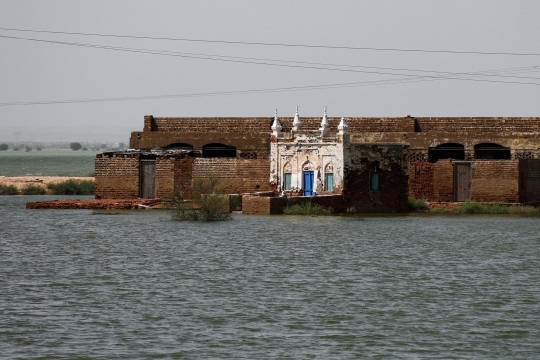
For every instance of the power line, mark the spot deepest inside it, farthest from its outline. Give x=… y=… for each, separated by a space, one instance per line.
x=459 y=76
x=277 y=44
x=219 y=93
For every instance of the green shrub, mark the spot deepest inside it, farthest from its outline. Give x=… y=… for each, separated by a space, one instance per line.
x=72 y=187
x=4 y=147
x=417 y=204
x=351 y=210
x=474 y=207
x=207 y=202
x=307 y=208
x=32 y=189
x=8 y=190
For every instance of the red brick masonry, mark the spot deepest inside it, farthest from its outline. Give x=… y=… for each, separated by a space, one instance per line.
x=105 y=204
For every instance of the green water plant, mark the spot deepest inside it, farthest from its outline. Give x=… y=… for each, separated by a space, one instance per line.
x=307 y=208
x=33 y=189
x=474 y=207
x=417 y=204
x=8 y=190
x=207 y=202
x=72 y=187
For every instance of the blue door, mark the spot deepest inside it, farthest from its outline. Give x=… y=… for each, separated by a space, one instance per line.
x=308 y=183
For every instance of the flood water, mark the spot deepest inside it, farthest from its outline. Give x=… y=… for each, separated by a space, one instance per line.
x=84 y=284
x=47 y=162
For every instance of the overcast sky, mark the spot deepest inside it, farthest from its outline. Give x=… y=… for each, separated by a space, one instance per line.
x=32 y=71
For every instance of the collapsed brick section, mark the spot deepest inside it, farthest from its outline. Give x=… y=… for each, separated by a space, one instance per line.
x=117 y=176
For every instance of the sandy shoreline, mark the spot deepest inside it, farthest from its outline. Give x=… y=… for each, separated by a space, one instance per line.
x=21 y=181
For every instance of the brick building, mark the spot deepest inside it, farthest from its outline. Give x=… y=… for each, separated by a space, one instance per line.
x=366 y=162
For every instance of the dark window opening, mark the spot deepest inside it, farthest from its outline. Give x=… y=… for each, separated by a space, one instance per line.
x=179 y=146
x=489 y=151
x=219 y=151
x=447 y=151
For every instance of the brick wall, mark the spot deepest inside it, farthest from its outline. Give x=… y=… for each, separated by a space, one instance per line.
x=495 y=181
x=391 y=163
x=164 y=176
x=529 y=181
x=443 y=181
x=117 y=177
x=239 y=175
x=481 y=124
x=261 y=205
x=421 y=180
x=262 y=125
x=356 y=124
x=183 y=174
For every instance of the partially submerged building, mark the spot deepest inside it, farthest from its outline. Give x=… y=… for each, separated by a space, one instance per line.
x=369 y=164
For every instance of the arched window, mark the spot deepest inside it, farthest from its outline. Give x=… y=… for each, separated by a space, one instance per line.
x=488 y=151
x=219 y=151
x=329 y=177
x=179 y=146
x=287 y=176
x=447 y=151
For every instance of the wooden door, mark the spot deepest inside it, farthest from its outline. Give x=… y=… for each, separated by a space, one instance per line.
x=148 y=178
x=462 y=181
x=308 y=183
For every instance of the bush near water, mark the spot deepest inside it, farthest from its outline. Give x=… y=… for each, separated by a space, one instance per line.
x=32 y=189
x=306 y=208
x=474 y=207
x=8 y=190
x=72 y=187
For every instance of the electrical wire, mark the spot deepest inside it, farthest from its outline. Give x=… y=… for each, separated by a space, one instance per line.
x=277 y=44
x=213 y=58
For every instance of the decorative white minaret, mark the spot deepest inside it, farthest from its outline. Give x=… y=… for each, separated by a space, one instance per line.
x=343 y=127
x=276 y=126
x=296 y=122
x=325 y=126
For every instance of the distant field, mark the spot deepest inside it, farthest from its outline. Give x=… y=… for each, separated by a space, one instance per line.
x=47 y=163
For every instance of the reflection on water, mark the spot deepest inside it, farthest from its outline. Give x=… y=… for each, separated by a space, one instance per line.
x=138 y=285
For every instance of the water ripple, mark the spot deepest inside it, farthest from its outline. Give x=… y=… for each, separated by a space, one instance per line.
x=138 y=285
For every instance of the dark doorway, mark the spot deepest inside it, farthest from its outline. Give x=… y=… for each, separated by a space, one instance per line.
x=447 y=151
x=462 y=181
x=148 y=178
x=219 y=151
x=490 y=151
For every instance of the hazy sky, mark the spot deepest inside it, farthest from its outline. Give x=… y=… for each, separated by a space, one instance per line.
x=32 y=71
